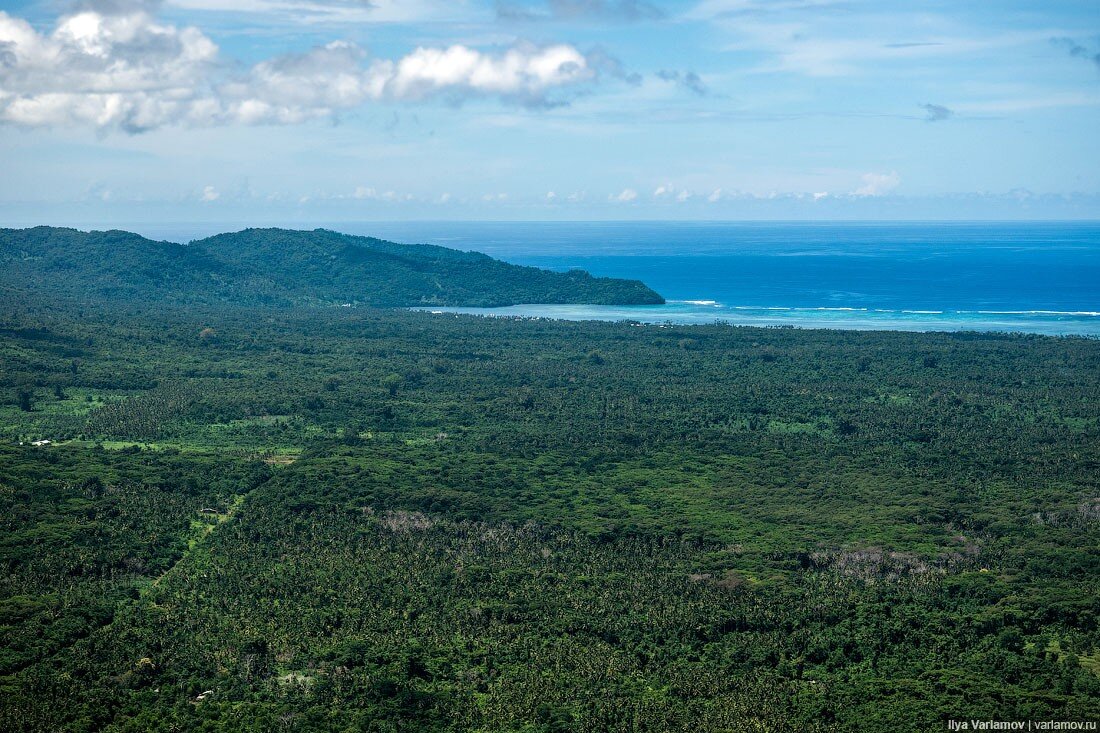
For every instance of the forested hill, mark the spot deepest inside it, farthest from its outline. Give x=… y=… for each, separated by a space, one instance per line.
x=287 y=267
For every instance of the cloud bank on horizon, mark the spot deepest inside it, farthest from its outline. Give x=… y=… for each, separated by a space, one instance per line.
x=549 y=109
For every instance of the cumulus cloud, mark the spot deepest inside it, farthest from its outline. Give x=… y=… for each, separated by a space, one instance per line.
x=562 y=10
x=878 y=184
x=525 y=73
x=625 y=196
x=209 y=193
x=669 y=191
x=936 y=112
x=100 y=69
x=125 y=70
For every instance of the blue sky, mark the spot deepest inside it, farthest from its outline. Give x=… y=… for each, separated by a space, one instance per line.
x=316 y=111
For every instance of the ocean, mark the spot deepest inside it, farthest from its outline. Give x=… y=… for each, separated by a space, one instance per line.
x=1026 y=277
x=1032 y=277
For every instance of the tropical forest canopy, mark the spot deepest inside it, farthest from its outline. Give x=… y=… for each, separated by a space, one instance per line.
x=273 y=518
x=284 y=267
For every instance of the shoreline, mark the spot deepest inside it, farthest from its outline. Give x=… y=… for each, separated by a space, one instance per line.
x=1081 y=323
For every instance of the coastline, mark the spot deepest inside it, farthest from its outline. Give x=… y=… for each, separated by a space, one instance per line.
x=708 y=312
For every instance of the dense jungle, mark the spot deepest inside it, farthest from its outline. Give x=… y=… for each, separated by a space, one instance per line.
x=238 y=517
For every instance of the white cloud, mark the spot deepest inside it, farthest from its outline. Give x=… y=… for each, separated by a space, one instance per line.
x=715 y=195
x=128 y=71
x=103 y=70
x=625 y=196
x=209 y=193
x=551 y=196
x=525 y=72
x=667 y=190
x=877 y=184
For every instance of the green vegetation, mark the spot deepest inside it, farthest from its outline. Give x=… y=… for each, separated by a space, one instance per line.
x=283 y=267
x=355 y=519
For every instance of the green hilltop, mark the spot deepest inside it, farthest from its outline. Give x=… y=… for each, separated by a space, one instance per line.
x=283 y=267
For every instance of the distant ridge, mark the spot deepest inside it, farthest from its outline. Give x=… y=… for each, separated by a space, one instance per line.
x=284 y=267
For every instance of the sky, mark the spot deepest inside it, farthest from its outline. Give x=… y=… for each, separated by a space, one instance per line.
x=255 y=112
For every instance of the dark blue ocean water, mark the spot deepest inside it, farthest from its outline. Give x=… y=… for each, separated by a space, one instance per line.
x=1035 y=277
